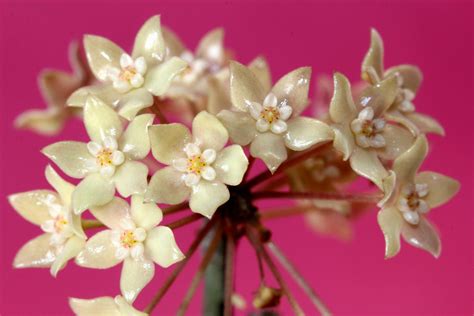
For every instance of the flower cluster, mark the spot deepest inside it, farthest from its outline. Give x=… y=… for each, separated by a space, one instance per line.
x=138 y=166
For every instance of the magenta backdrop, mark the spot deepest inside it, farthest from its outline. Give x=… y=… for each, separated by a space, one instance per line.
x=353 y=278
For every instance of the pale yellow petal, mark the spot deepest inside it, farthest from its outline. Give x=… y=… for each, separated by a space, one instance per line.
x=146 y=215
x=113 y=214
x=94 y=190
x=136 y=274
x=104 y=306
x=36 y=253
x=126 y=309
x=159 y=78
x=218 y=97
x=211 y=46
x=209 y=132
x=131 y=103
x=231 y=164
x=408 y=163
x=135 y=142
x=240 y=125
x=366 y=164
x=168 y=141
x=441 y=188
x=167 y=186
x=270 y=148
x=304 y=132
x=101 y=54
x=245 y=88
x=61 y=186
x=45 y=122
x=56 y=86
x=342 y=107
x=374 y=57
x=73 y=158
x=201 y=201
x=99 y=252
x=172 y=41
x=131 y=178
x=380 y=96
x=261 y=70
x=34 y=205
x=411 y=75
x=390 y=222
x=398 y=117
x=71 y=248
x=343 y=139
x=293 y=87
x=105 y=92
x=161 y=247
x=423 y=236
x=397 y=141
x=149 y=42
x=426 y=124
x=101 y=120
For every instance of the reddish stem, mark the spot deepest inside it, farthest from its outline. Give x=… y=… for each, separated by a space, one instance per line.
x=184 y=221
x=317 y=195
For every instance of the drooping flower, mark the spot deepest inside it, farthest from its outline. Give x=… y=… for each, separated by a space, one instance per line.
x=56 y=86
x=134 y=238
x=409 y=79
x=63 y=236
x=104 y=306
x=109 y=161
x=361 y=133
x=409 y=196
x=129 y=82
x=199 y=167
x=269 y=120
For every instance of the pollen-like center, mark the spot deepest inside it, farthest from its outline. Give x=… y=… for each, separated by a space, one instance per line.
x=412 y=203
x=368 y=129
x=128 y=239
x=60 y=223
x=270 y=114
x=104 y=157
x=128 y=73
x=196 y=164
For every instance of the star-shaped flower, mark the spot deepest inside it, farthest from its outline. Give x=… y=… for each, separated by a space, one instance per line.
x=104 y=306
x=56 y=86
x=361 y=133
x=63 y=236
x=269 y=120
x=198 y=165
x=409 y=197
x=109 y=161
x=129 y=82
x=133 y=238
x=409 y=80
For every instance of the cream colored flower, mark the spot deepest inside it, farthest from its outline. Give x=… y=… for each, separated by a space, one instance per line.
x=269 y=120
x=198 y=165
x=133 y=238
x=63 y=236
x=55 y=87
x=103 y=306
x=409 y=80
x=109 y=161
x=361 y=133
x=129 y=82
x=409 y=197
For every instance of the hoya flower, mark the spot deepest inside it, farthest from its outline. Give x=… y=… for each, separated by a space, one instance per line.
x=106 y=306
x=198 y=165
x=409 y=197
x=55 y=87
x=129 y=82
x=134 y=238
x=409 y=79
x=361 y=133
x=109 y=161
x=63 y=236
x=269 y=120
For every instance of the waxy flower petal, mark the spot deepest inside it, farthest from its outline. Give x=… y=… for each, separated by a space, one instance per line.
x=36 y=253
x=135 y=142
x=146 y=215
x=94 y=190
x=167 y=186
x=102 y=54
x=106 y=306
x=231 y=164
x=72 y=157
x=293 y=89
x=136 y=274
x=270 y=148
x=100 y=120
x=391 y=222
x=240 y=125
x=168 y=141
x=441 y=188
x=71 y=249
x=149 y=42
x=208 y=132
x=131 y=178
x=304 y=132
x=34 y=205
x=162 y=248
x=423 y=236
x=99 y=252
x=245 y=87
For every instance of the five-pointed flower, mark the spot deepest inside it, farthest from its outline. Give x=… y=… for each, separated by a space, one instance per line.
x=133 y=238
x=105 y=306
x=198 y=165
x=63 y=236
x=56 y=86
x=129 y=82
x=109 y=160
x=361 y=133
x=409 y=80
x=408 y=197
x=268 y=120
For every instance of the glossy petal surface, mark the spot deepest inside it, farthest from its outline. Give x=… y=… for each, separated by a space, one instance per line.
x=209 y=132
x=231 y=164
x=161 y=246
x=94 y=190
x=99 y=252
x=168 y=141
x=73 y=158
x=201 y=201
x=136 y=274
x=304 y=132
x=167 y=186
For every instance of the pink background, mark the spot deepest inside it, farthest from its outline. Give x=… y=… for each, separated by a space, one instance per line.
x=353 y=278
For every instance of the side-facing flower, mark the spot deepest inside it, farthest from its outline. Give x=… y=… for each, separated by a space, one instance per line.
x=56 y=86
x=198 y=165
x=409 y=80
x=269 y=120
x=361 y=133
x=129 y=82
x=409 y=196
x=63 y=236
x=105 y=306
x=109 y=161
x=133 y=238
